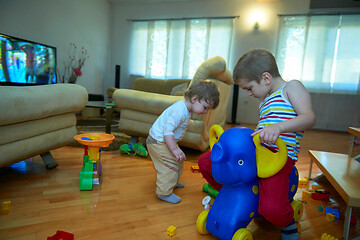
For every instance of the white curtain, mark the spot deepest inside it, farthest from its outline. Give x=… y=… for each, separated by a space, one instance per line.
x=175 y=48
x=323 y=51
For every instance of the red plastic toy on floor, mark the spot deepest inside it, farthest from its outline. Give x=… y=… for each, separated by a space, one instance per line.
x=61 y=235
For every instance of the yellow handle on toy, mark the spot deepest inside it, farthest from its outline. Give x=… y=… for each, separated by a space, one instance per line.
x=214 y=134
x=269 y=163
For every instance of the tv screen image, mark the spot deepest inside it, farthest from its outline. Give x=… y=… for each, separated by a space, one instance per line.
x=24 y=62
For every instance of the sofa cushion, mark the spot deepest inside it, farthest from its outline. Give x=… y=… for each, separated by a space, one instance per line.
x=213 y=68
x=161 y=86
x=15 y=132
x=20 y=104
x=148 y=102
x=28 y=147
x=193 y=126
x=139 y=115
x=179 y=90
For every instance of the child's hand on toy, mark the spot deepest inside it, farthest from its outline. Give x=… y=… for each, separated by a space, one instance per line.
x=268 y=134
x=179 y=154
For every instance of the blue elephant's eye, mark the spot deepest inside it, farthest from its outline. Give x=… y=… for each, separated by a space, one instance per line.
x=241 y=162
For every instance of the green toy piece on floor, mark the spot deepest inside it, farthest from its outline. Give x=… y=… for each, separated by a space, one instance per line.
x=126 y=149
x=137 y=148
x=210 y=190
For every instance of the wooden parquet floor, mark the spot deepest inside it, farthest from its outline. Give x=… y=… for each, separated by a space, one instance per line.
x=126 y=207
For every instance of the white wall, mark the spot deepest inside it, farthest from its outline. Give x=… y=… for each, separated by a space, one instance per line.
x=59 y=22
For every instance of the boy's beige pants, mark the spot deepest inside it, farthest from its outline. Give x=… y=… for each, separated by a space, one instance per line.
x=168 y=168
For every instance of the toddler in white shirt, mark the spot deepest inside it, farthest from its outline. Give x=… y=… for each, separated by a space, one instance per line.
x=169 y=128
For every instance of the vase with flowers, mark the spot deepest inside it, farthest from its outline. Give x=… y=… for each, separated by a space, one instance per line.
x=72 y=67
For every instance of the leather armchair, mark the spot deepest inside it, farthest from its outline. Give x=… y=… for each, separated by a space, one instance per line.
x=140 y=106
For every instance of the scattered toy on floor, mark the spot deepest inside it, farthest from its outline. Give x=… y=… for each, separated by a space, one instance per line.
x=210 y=190
x=303 y=181
x=316 y=186
x=5 y=206
x=323 y=191
x=171 y=231
x=320 y=196
x=137 y=148
x=334 y=211
x=330 y=217
x=326 y=236
x=61 y=235
x=306 y=195
x=195 y=169
x=206 y=202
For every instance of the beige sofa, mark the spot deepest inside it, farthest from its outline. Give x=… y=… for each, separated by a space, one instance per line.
x=140 y=106
x=37 y=119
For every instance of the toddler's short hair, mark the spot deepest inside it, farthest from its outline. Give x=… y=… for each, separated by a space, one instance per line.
x=253 y=64
x=204 y=90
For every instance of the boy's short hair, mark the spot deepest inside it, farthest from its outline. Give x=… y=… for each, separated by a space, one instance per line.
x=253 y=64
x=204 y=90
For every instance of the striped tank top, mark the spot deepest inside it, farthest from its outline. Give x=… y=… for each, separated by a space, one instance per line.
x=276 y=108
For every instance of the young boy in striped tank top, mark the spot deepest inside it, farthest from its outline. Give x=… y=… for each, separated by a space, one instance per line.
x=285 y=112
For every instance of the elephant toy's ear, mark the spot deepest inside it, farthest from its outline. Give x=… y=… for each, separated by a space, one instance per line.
x=214 y=134
x=269 y=163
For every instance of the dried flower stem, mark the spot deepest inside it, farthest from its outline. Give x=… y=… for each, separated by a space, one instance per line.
x=72 y=67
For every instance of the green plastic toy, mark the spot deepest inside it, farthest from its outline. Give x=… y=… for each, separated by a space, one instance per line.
x=210 y=190
x=137 y=148
x=86 y=174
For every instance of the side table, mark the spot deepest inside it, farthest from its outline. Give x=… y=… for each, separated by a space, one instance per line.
x=354 y=132
x=109 y=109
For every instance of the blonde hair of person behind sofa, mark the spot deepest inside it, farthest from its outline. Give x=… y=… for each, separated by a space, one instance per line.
x=204 y=90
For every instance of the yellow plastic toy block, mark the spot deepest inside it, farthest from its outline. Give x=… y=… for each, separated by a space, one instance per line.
x=316 y=186
x=171 y=231
x=330 y=217
x=195 y=169
x=94 y=137
x=93 y=153
x=5 y=206
x=326 y=236
x=306 y=195
x=303 y=181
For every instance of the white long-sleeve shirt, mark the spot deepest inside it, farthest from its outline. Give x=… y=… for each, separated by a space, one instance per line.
x=172 y=121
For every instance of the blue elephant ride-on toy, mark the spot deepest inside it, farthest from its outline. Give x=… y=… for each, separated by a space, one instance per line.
x=237 y=161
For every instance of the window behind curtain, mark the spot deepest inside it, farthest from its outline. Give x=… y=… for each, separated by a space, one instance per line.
x=323 y=51
x=176 y=48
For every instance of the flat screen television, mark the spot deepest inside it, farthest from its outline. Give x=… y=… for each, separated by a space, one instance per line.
x=24 y=62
